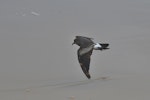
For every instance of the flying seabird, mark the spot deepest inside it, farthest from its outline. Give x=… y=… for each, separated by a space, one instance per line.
x=85 y=51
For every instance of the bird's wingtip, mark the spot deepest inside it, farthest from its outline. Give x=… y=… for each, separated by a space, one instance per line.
x=88 y=75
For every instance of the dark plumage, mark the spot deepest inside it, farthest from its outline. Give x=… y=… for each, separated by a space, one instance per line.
x=85 y=51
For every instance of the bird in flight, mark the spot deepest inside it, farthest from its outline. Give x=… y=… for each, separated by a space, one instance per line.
x=85 y=51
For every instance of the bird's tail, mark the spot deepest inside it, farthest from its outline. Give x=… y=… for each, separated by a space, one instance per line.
x=104 y=46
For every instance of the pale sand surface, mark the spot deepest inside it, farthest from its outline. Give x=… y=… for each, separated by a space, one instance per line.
x=38 y=62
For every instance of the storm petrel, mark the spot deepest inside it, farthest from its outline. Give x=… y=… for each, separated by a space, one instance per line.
x=85 y=51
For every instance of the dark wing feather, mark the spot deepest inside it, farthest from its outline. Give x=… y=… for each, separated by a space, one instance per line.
x=84 y=42
x=84 y=37
x=84 y=61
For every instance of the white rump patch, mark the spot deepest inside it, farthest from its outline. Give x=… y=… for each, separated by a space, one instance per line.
x=97 y=46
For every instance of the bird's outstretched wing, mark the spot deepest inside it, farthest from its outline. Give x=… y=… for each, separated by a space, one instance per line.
x=84 y=61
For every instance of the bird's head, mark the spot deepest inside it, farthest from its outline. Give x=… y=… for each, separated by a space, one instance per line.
x=76 y=42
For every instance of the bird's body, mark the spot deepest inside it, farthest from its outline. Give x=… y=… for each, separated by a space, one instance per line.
x=85 y=51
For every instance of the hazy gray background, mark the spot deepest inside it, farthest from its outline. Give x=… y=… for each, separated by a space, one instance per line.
x=38 y=62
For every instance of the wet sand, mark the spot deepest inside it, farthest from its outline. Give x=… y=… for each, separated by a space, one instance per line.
x=38 y=62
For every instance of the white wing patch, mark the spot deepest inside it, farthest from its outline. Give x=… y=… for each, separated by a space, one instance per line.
x=85 y=50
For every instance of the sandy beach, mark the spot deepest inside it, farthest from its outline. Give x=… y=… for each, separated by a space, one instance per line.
x=38 y=62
